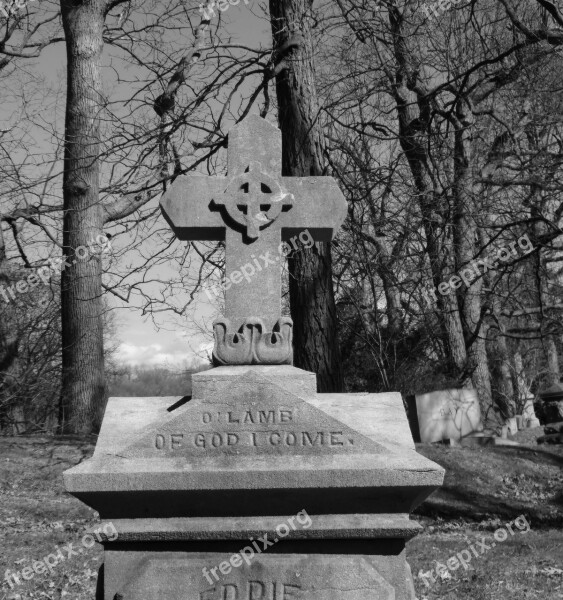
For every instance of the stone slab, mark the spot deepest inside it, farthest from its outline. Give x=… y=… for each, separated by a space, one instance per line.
x=267 y=578
x=265 y=449
x=344 y=526
x=300 y=382
x=179 y=575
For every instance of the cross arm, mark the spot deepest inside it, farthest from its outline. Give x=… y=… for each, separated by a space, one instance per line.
x=186 y=207
x=319 y=207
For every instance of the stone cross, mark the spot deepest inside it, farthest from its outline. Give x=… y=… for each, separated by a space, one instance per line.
x=256 y=212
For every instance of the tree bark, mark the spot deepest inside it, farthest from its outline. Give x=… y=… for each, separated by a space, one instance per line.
x=519 y=380
x=313 y=307
x=83 y=389
x=552 y=360
x=465 y=227
x=9 y=349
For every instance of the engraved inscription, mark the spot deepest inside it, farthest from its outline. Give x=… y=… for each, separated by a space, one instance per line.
x=253 y=590
x=254 y=425
x=218 y=439
x=269 y=428
x=254 y=417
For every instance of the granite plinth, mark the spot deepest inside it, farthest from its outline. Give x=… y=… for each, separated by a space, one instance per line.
x=252 y=447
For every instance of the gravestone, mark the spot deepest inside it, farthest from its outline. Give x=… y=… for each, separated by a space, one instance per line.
x=448 y=414
x=552 y=403
x=256 y=487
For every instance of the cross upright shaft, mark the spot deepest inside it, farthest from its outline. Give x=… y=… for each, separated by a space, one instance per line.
x=253 y=210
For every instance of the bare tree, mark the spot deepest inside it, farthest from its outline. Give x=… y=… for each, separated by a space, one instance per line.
x=311 y=292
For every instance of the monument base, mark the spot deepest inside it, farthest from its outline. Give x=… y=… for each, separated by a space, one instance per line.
x=256 y=488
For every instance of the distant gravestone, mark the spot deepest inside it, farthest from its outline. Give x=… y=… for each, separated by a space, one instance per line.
x=194 y=485
x=529 y=418
x=448 y=414
x=552 y=400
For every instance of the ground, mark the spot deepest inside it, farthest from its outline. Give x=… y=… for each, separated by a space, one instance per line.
x=485 y=492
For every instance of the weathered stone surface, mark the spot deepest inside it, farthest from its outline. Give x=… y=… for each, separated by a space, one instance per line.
x=190 y=529
x=252 y=417
x=176 y=463
x=448 y=414
x=381 y=417
x=254 y=210
x=297 y=381
x=267 y=577
x=180 y=508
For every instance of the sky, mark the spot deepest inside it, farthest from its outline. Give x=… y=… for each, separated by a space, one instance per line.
x=159 y=340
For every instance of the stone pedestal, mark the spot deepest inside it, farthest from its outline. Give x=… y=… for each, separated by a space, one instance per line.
x=256 y=488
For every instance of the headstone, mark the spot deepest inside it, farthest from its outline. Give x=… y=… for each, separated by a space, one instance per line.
x=554 y=428
x=448 y=414
x=552 y=400
x=256 y=487
x=528 y=411
x=512 y=425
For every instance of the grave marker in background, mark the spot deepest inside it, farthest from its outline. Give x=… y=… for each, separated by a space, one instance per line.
x=448 y=414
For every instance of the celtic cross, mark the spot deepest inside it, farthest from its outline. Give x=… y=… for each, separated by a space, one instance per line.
x=254 y=210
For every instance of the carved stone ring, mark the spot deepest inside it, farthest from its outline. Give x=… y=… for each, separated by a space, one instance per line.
x=255 y=200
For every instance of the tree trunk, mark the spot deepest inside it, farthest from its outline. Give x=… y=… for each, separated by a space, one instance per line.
x=465 y=227
x=502 y=384
x=8 y=336
x=9 y=347
x=83 y=389
x=552 y=360
x=414 y=136
x=313 y=308
x=519 y=381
